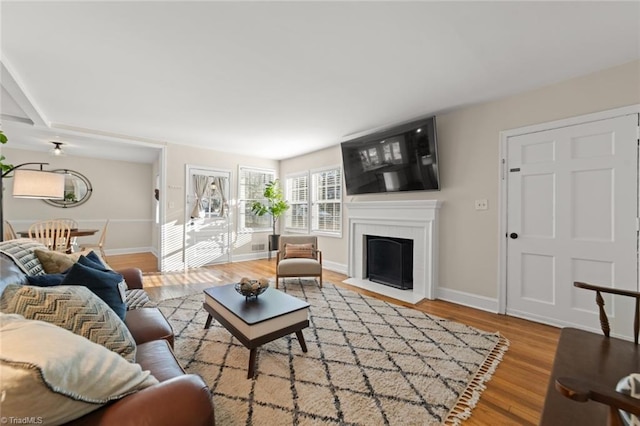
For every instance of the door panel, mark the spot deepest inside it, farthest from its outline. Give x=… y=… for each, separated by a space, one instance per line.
x=572 y=201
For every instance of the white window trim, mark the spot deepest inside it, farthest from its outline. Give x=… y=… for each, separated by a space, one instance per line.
x=241 y=228
x=292 y=176
x=334 y=234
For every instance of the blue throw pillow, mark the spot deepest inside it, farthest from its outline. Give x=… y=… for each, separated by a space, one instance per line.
x=103 y=284
x=45 y=280
x=95 y=258
x=93 y=262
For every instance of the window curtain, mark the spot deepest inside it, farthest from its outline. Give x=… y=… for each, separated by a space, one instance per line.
x=200 y=184
x=221 y=185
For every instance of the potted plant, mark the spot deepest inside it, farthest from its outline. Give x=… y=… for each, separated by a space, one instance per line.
x=276 y=206
x=4 y=167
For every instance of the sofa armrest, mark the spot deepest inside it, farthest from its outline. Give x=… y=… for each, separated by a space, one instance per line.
x=183 y=400
x=133 y=277
x=147 y=325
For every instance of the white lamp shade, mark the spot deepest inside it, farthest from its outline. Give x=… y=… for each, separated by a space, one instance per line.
x=38 y=184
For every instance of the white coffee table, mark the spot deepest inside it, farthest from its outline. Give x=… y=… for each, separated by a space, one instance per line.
x=256 y=321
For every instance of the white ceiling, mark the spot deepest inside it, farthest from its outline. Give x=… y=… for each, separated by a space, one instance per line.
x=279 y=79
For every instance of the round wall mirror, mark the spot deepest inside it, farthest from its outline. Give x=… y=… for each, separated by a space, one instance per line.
x=77 y=189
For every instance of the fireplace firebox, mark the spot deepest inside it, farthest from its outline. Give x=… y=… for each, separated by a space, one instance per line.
x=390 y=261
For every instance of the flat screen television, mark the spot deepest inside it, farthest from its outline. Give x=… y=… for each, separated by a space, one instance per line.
x=404 y=158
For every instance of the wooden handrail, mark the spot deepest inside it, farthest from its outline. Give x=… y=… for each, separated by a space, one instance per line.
x=617 y=291
x=604 y=321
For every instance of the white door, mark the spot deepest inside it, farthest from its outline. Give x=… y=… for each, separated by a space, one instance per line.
x=572 y=209
x=207 y=231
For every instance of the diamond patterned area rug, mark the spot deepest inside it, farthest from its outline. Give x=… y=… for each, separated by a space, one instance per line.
x=369 y=362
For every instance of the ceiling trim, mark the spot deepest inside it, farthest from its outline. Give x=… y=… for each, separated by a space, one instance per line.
x=103 y=134
x=18 y=92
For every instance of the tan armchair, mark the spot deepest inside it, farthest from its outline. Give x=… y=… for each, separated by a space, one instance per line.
x=298 y=256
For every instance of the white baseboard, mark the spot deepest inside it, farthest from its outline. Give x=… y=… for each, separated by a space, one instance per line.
x=130 y=250
x=250 y=256
x=335 y=267
x=468 y=299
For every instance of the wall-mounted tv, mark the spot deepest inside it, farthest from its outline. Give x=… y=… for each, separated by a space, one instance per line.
x=404 y=158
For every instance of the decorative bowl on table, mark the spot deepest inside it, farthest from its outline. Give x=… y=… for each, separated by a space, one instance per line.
x=252 y=288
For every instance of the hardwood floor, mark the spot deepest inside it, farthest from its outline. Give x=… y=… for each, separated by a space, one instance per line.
x=515 y=394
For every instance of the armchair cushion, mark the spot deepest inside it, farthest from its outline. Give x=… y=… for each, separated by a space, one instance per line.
x=50 y=373
x=299 y=251
x=300 y=267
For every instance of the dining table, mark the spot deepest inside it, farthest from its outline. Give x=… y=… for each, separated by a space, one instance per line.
x=75 y=232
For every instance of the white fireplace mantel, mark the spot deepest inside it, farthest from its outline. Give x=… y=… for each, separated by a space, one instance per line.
x=414 y=220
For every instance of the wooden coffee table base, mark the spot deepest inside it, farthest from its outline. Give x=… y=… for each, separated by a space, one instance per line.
x=253 y=344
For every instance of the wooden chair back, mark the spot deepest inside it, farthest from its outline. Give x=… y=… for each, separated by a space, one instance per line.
x=297 y=239
x=9 y=232
x=73 y=224
x=103 y=236
x=604 y=320
x=54 y=234
x=100 y=244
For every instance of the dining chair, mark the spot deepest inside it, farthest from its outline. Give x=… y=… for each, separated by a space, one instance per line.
x=9 y=232
x=54 y=234
x=73 y=224
x=100 y=244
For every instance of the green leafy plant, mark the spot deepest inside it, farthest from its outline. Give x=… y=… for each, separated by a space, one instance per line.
x=4 y=167
x=276 y=205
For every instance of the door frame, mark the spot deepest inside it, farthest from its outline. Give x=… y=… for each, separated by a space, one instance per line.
x=503 y=174
x=188 y=169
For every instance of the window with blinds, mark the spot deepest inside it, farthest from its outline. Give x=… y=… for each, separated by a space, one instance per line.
x=252 y=182
x=297 y=193
x=327 y=201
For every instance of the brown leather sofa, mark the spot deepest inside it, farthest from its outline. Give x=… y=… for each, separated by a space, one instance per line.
x=179 y=398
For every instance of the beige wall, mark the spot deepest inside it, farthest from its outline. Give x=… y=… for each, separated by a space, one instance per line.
x=178 y=157
x=468 y=142
x=120 y=193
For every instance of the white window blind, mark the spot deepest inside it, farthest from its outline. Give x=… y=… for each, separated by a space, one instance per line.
x=252 y=182
x=327 y=201
x=297 y=193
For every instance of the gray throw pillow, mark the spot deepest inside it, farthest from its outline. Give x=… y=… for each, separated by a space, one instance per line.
x=74 y=308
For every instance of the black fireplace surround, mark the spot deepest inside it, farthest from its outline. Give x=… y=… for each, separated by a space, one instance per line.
x=390 y=261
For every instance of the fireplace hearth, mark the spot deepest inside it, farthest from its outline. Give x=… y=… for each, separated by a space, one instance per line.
x=390 y=261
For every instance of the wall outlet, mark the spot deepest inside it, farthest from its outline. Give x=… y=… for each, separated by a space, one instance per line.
x=482 y=205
